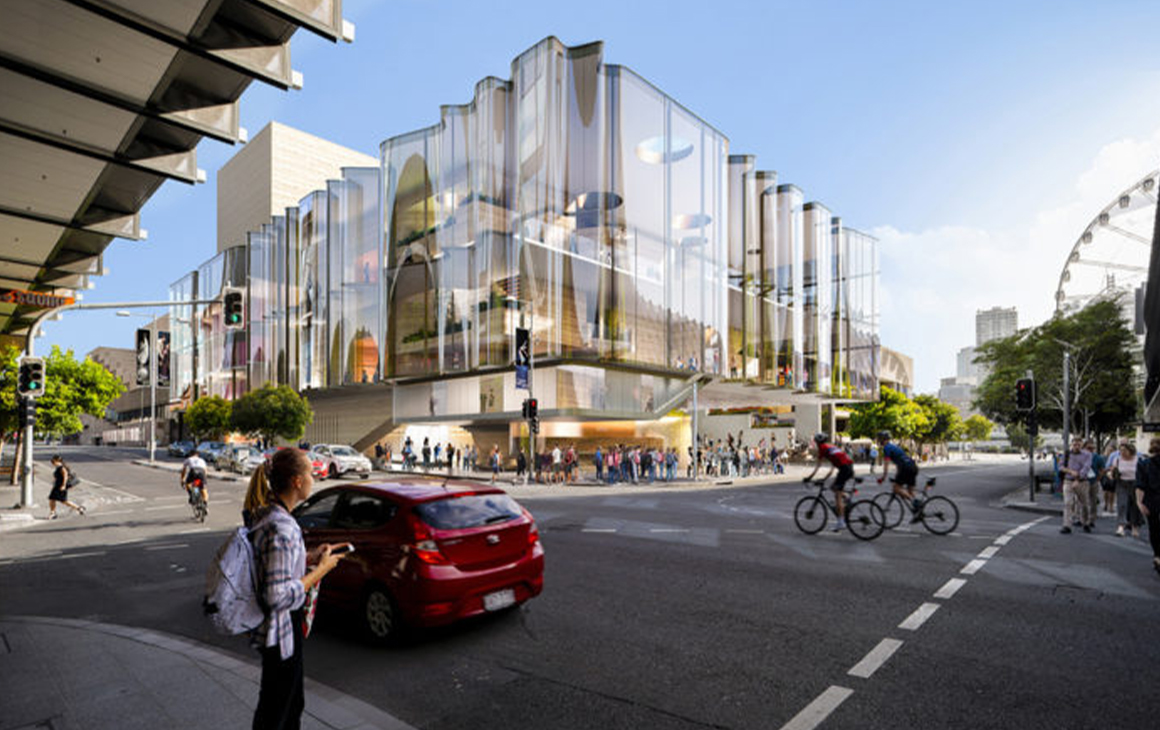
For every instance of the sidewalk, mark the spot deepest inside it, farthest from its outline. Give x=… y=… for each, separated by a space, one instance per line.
x=68 y=674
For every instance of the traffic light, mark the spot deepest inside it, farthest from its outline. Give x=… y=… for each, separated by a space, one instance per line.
x=531 y=408
x=1025 y=394
x=30 y=380
x=27 y=412
x=233 y=302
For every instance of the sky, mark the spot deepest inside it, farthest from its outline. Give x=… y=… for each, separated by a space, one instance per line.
x=975 y=140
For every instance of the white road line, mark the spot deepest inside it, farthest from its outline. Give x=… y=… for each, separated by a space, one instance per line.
x=170 y=499
x=82 y=555
x=598 y=529
x=167 y=547
x=172 y=506
x=1003 y=539
x=989 y=552
x=979 y=537
x=818 y=710
x=194 y=530
x=973 y=567
x=745 y=532
x=919 y=617
x=875 y=659
x=950 y=588
x=668 y=529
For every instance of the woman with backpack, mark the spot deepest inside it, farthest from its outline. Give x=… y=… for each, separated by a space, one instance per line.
x=283 y=583
x=62 y=480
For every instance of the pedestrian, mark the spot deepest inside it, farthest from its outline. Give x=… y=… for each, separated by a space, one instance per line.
x=426 y=453
x=521 y=464
x=1127 y=511
x=1094 y=477
x=1075 y=487
x=598 y=462
x=495 y=457
x=1107 y=483
x=1148 y=496
x=61 y=478
x=450 y=458
x=283 y=584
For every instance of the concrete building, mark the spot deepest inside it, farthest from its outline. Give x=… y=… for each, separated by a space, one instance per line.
x=275 y=170
x=995 y=324
x=896 y=371
x=127 y=417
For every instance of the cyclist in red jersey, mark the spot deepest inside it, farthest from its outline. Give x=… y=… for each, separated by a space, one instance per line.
x=841 y=461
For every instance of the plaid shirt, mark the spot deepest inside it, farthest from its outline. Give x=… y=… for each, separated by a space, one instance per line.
x=280 y=557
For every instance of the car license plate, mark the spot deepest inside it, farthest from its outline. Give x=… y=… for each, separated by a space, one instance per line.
x=499 y=599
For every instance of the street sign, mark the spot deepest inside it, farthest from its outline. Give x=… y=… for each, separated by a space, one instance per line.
x=40 y=299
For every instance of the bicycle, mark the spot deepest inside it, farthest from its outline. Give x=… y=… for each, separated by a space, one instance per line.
x=197 y=498
x=864 y=519
x=938 y=514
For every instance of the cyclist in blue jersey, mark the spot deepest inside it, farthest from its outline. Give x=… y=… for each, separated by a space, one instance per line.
x=905 y=470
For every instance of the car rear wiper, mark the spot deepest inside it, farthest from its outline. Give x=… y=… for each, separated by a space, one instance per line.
x=499 y=518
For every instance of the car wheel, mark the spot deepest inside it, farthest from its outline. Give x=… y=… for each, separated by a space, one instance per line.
x=380 y=616
x=333 y=474
x=364 y=475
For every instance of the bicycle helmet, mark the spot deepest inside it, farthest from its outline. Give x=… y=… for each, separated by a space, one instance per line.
x=821 y=438
x=883 y=436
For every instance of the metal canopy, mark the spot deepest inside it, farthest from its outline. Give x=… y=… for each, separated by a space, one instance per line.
x=101 y=101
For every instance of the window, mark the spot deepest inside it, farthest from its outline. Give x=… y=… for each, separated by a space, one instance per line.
x=363 y=512
x=315 y=514
x=457 y=513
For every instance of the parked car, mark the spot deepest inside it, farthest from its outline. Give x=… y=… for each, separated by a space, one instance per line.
x=232 y=456
x=209 y=451
x=425 y=554
x=317 y=465
x=180 y=449
x=340 y=460
x=254 y=459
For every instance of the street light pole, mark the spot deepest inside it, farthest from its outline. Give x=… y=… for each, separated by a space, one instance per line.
x=152 y=388
x=1066 y=399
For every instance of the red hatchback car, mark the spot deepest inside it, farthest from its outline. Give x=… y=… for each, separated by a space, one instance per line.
x=425 y=554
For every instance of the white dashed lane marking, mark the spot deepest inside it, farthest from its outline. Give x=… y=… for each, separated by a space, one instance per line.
x=818 y=710
x=973 y=567
x=950 y=588
x=875 y=659
x=919 y=617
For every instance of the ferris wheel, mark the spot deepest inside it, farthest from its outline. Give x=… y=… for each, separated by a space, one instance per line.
x=1111 y=255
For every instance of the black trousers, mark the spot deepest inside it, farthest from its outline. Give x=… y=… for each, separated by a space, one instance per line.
x=281 y=699
x=1153 y=519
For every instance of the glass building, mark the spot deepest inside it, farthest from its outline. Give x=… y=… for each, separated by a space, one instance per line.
x=579 y=200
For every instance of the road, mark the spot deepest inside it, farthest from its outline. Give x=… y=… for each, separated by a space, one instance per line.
x=682 y=608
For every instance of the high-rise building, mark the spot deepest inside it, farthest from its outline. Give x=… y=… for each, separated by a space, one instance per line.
x=995 y=324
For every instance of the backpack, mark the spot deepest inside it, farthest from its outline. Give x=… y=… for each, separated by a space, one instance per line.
x=231 y=595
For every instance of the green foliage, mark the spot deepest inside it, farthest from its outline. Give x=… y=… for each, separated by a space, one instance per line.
x=942 y=421
x=72 y=387
x=977 y=428
x=209 y=417
x=1100 y=374
x=892 y=412
x=1017 y=434
x=272 y=412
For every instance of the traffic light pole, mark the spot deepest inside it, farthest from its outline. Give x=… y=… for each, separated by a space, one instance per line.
x=26 y=499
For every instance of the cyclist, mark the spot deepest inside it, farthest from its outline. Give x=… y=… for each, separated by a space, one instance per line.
x=840 y=460
x=192 y=468
x=905 y=471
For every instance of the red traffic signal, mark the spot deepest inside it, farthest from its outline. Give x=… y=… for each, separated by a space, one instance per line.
x=1025 y=394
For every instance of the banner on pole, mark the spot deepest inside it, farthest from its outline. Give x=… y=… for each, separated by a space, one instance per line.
x=523 y=357
x=144 y=355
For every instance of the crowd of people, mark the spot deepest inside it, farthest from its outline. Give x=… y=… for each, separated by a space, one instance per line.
x=1125 y=483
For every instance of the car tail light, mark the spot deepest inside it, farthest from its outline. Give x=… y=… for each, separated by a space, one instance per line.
x=533 y=531
x=425 y=548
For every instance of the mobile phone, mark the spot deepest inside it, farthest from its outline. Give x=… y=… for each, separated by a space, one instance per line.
x=342 y=549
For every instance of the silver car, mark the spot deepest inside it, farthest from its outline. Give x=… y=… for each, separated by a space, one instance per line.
x=233 y=457
x=338 y=460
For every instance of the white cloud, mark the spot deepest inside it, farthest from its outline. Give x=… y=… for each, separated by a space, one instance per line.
x=933 y=281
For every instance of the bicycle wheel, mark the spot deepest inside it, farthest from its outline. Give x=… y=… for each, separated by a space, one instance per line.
x=865 y=519
x=810 y=514
x=940 y=515
x=892 y=509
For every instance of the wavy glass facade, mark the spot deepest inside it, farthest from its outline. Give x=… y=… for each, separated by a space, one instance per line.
x=581 y=200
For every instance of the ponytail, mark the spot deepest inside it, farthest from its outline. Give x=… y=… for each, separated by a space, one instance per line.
x=258 y=493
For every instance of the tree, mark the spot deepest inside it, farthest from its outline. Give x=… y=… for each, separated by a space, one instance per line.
x=1100 y=373
x=892 y=412
x=977 y=428
x=71 y=388
x=1017 y=434
x=210 y=417
x=272 y=412
x=942 y=421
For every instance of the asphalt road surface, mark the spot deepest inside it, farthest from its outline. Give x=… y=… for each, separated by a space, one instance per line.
x=681 y=608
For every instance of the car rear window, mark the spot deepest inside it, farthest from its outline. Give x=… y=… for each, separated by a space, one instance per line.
x=458 y=513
